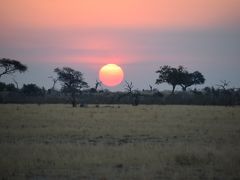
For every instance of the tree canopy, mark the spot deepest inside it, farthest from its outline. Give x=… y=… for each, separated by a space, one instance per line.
x=72 y=82
x=189 y=79
x=10 y=66
x=170 y=75
x=179 y=76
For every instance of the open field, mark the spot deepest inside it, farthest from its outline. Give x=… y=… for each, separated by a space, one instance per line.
x=120 y=142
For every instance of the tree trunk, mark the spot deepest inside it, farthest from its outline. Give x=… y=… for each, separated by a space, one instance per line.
x=173 y=89
x=74 y=102
x=184 y=88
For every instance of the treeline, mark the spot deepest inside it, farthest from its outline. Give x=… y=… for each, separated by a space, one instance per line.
x=75 y=89
x=31 y=93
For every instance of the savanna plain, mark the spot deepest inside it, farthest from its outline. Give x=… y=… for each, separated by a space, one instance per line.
x=119 y=142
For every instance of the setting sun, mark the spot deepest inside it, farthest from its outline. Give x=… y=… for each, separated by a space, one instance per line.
x=111 y=75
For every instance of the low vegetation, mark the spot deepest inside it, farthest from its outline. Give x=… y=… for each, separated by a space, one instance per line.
x=207 y=96
x=119 y=142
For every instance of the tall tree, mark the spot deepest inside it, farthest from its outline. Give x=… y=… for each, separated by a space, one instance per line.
x=72 y=82
x=10 y=66
x=170 y=75
x=189 y=79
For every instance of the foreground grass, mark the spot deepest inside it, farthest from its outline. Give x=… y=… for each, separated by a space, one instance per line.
x=144 y=142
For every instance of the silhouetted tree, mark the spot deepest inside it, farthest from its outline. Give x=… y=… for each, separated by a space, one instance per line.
x=135 y=95
x=170 y=75
x=9 y=66
x=189 y=79
x=128 y=86
x=72 y=82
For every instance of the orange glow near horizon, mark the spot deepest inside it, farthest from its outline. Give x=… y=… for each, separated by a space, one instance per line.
x=111 y=75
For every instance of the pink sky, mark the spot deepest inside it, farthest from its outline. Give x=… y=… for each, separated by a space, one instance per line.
x=119 y=13
x=137 y=34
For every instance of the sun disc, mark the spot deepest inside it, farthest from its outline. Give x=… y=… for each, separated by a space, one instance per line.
x=111 y=74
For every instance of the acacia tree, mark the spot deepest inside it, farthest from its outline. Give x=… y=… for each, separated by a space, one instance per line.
x=72 y=82
x=170 y=75
x=189 y=79
x=10 y=66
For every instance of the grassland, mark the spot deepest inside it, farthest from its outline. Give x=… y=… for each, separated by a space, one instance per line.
x=120 y=142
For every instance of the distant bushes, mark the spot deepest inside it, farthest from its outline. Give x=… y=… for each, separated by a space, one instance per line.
x=7 y=87
x=32 y=90
x=30 y=93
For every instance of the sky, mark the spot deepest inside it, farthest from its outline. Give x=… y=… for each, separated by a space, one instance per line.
x=138 y=35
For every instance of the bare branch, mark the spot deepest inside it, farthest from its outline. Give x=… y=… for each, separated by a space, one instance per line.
x=224 y=84
x=98 y=84
x=128 y=86
x=151 y=88
x=16 y=83
x=55 y=80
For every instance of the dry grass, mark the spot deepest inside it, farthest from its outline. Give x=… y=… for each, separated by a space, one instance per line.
x=144 y=142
